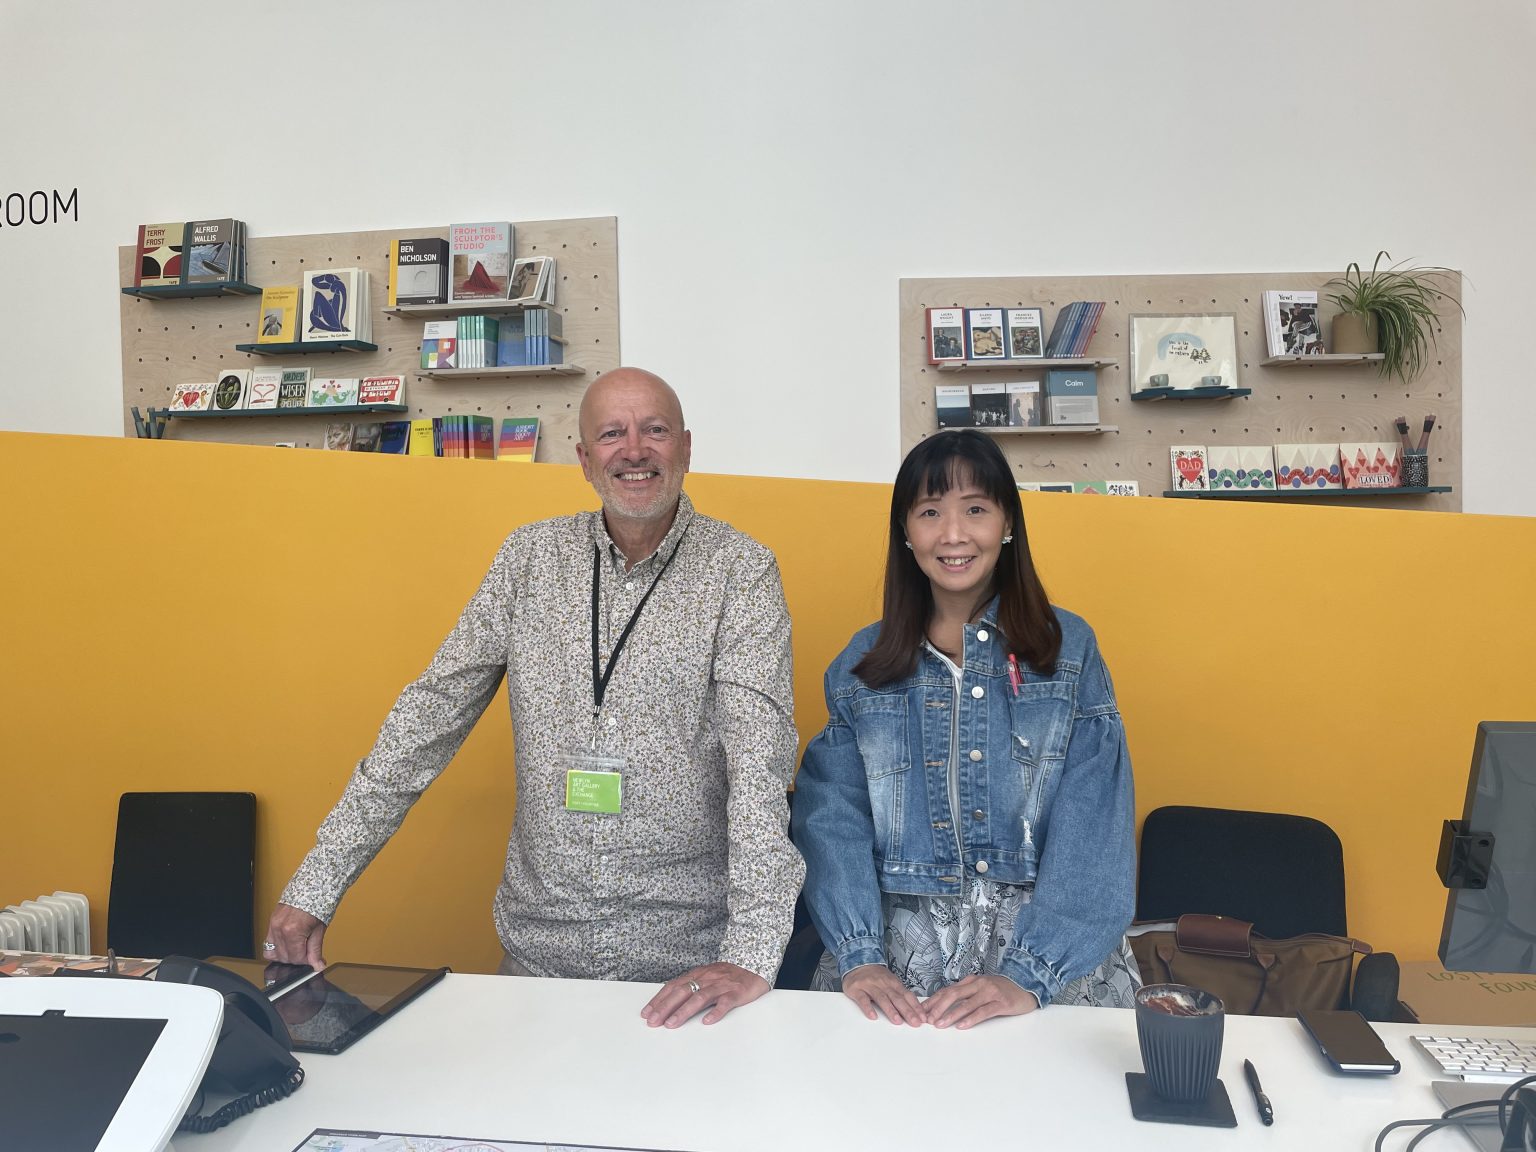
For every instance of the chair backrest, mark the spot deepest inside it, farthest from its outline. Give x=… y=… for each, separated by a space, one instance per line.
x=184 y=875
x=1283 y=874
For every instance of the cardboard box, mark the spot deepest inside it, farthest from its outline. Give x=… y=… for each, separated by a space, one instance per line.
x=1437 y=996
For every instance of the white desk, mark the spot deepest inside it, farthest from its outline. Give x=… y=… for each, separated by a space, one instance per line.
x=564 y=1060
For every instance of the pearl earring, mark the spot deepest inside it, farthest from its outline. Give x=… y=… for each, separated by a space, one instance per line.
x=1007 y=539
x=908 y=543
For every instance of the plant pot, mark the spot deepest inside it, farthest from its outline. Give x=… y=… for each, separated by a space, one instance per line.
x=1354 y=333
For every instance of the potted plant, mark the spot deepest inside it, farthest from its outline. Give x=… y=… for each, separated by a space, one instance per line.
x=1390 y=310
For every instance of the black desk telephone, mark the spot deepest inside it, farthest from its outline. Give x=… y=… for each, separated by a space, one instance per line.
x=253 y=1059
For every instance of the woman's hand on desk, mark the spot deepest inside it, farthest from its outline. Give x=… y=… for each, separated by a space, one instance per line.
x=968 y=1002
x=718 y=987
x=874 y=986
x=295 y=936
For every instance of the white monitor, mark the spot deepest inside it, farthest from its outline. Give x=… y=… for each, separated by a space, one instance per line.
x=158 y=1091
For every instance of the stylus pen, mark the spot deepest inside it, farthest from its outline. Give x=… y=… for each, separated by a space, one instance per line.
x=1266 y=1113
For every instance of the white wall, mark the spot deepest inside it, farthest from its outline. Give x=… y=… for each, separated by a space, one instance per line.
x=776 y=167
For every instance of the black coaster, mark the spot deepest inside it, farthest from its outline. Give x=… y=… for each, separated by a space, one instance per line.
x=1215 y=1111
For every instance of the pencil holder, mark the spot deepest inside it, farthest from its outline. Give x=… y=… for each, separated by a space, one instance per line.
x=1415 y=473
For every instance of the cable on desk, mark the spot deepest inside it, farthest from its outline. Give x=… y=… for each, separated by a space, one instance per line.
x=1457 y=1117
x=244 y=1106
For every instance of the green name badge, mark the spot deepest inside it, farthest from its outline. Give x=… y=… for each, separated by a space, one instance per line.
x=593 y=791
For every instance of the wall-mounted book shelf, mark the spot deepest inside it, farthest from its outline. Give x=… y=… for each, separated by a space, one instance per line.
x=1049 y=430
x=331 y=410
x=1024 y=363
x=193 y=291
x=1327 y=399
x=1148 y=394
x=1306 y=493
x=1327 y=359
x=505 y=370
x=307 y=348
x=197 y=338
x=477 y=307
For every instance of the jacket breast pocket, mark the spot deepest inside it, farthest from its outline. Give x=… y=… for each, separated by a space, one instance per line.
x=880 y=730
x=1041 y=721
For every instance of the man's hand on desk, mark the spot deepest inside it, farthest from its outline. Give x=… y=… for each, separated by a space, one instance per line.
x=295 y=936
x=718 y=987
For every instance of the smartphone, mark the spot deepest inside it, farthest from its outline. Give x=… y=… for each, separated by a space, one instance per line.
x=1349 y=1042
x=271 y=977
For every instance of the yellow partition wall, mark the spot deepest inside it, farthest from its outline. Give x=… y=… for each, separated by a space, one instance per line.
x=190 y=616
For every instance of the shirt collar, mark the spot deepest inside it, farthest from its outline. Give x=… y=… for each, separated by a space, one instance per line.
x=664 y=550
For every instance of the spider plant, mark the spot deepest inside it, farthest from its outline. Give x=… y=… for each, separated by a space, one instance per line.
x=1401 y=301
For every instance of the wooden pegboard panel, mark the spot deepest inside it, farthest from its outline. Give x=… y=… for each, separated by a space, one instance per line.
x=1308 y=403
x=169 y=342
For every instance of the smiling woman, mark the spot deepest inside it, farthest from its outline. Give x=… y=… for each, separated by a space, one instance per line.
x=966 y=815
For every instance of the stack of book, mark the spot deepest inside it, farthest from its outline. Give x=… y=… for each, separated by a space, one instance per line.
x=1290 y=323
x=480 y=262
x=1067 y=396
x=519 y=440
x=464 y=437
x=190 y=252
x=1074 y=328
x=418 y=271
x=450 y=437
x=533 y=281
x=477 y=338
x=336 y=305
x=543 y=341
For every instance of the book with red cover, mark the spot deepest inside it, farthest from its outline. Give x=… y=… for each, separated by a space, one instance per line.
x=159 y=255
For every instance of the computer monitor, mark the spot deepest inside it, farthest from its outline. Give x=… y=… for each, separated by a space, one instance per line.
x=1488 y=858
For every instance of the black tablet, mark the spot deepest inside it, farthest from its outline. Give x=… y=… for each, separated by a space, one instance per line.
x=330 y=1011
x=270 y=976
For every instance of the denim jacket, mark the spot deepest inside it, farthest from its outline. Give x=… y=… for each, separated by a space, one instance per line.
x=910 y=786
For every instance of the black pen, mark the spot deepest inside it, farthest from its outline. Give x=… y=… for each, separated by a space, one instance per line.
x=1266 y=1113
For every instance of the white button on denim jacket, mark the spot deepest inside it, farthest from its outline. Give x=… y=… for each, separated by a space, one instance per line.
x=911 y=784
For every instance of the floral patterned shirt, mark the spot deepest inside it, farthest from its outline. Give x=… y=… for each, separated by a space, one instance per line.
x=697 y=866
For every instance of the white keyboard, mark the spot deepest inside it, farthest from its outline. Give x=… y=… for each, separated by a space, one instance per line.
x=1487 y=1060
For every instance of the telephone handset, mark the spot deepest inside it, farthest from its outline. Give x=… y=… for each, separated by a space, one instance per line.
x=253 y=1058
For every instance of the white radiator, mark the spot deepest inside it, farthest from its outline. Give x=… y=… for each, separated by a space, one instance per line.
x=60 y=923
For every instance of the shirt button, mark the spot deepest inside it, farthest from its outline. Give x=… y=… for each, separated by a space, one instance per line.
x=975 y=754
x=981 y=866
x=612 y=720
x=983 y=635
x=979 y=814
x=978 y=691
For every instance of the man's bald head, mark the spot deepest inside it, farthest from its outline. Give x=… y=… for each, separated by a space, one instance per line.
x=628 y=387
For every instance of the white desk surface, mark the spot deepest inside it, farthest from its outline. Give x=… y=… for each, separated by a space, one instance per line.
x=504 y=1058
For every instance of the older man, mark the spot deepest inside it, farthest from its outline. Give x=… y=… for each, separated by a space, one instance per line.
x=647 y=657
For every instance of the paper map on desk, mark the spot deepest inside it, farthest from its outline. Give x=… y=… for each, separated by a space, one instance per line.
x=337 y=1140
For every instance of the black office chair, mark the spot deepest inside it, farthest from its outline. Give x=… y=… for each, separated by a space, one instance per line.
x=184 y=875
x=1283 y=874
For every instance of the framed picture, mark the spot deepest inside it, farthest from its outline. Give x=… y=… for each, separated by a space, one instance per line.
x=1185 y=348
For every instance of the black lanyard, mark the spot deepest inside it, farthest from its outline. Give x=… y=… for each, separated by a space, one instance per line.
x=600 y=681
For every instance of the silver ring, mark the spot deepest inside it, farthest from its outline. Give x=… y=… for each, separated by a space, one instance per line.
x=693 y=986
x=268 y=946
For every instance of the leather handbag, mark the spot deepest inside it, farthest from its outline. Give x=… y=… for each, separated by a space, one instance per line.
x=1253 y=975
